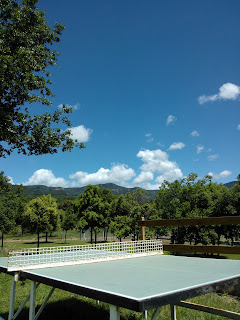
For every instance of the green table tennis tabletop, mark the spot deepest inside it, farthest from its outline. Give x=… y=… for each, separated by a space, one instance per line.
x=140 y=283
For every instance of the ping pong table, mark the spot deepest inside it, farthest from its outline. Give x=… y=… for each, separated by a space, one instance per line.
x=137 y=284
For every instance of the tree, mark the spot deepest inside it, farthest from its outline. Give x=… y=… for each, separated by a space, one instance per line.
x=92 y=208
x=25 y=55
x=11 y=205
x=188 y=198
x=69 y=222
x=107 y=198
x=136 y=201
x=121 y=227
x=41 y=215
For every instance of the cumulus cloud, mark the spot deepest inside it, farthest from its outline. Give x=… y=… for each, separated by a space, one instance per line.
x=238 y=127
x=213 y=157
x=118 y=174
x=47 y=178
x=155 y=168
x=156 y=161
x=74 y=106
x=221 y=175
x=195 y=134
x=143 y=177
x=200 y=149
x=80 y=133
x=227 y=91
x=170 y=119
x=176 y=146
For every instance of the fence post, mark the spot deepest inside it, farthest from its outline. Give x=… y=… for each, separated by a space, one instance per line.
x=142 y=230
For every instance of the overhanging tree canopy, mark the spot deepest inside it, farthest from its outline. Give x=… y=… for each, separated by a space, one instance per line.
x=25 y=54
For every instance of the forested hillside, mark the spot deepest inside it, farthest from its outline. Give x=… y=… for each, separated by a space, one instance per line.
x=31 y=192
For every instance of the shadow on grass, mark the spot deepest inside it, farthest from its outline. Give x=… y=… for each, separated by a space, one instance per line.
x=40 y=243
x=70 y=309
x=74 y=309
x=198 y=255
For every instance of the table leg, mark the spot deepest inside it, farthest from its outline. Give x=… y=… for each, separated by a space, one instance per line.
x=32 y=301
x=114 y=313
x=145 y=315
x=12 y=298
x=173 y=312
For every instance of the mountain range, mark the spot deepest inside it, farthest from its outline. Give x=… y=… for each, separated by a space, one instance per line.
x=31 y=192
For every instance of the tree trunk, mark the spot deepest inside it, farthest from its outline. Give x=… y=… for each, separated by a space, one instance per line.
x=38 y=238
x=95 y=234
x=2 y=239
x=46 y=237
x=66 y=236
x=91 y=235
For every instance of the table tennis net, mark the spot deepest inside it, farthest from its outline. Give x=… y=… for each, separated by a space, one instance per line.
x=35 y=258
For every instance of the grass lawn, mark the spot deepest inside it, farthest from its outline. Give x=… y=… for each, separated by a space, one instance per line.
x=65 y=305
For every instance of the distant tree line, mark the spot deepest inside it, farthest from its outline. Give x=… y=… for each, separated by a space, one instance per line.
x=98 y=209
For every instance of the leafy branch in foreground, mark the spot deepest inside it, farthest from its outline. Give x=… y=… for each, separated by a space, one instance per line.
x=25 y=55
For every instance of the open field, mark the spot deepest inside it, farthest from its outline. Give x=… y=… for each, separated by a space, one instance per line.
x=65 y=305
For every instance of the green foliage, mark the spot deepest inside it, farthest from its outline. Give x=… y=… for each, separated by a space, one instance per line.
x=25 y=55
x=92 y=208
x=41 y=215
x=11 y=205
x=197 y=198
x=121 y=227
x=126 y=211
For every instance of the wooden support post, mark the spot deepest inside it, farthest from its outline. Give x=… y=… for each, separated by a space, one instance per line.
x=142 y=230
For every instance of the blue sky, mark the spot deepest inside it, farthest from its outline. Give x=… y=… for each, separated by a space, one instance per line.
x=155 y=89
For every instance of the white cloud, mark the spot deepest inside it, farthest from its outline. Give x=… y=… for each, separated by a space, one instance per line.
x=74 y=106
x=195 y=134
x=149 y=136
x=227 y=91
x=170 y=119
x=221 y=175
x=10 y=180
x=47 y=178
x=200 y=149
x=156 y=161
x=80 y=133
x=170 y=175
x=143 y=177
x=176 y=146
x=117 y=174
x=156 y=168
x=238 y=127
x=213 y=157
